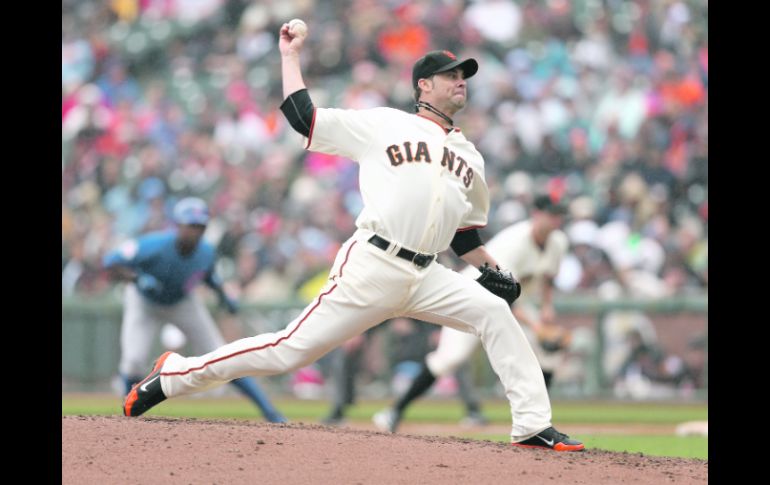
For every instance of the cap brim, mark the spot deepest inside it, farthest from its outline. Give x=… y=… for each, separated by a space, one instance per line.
x=469 y=67
x=193 y=221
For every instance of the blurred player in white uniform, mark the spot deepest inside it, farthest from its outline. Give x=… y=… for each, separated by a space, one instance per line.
x=533 y=250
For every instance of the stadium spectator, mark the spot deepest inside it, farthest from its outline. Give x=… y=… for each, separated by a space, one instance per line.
x=607 y=103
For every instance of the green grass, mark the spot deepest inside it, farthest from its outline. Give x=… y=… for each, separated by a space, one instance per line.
x=568 y=412
x=657 y=445
x=438 y=411
x=588 y=412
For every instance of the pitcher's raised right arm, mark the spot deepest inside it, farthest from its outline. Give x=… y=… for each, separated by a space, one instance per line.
x=297 y=105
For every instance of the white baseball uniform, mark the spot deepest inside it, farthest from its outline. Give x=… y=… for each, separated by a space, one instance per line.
x=419 y=186
x=515 y=249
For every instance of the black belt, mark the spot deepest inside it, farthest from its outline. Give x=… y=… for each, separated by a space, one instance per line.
x=421 y=260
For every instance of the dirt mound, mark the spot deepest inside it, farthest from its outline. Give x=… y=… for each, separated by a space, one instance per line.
x=116 y=449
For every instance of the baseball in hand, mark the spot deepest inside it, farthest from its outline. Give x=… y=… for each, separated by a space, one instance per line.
x=297 y=28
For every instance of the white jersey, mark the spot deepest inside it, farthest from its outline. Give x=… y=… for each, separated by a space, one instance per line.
x=516 y=250
x=419 y=184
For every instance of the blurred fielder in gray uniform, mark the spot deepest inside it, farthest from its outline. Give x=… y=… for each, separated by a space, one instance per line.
x=163 y=270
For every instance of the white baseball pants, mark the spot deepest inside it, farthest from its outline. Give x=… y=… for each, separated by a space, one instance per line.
x=455 y=348
x=367 y=286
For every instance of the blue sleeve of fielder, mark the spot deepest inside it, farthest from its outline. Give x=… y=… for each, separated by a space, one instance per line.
x=127 y=254
x=214 y=282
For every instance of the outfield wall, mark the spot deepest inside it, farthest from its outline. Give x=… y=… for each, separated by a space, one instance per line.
x=91 y=329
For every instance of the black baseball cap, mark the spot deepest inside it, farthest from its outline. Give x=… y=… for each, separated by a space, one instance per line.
x=547 y=204
x=435 y=62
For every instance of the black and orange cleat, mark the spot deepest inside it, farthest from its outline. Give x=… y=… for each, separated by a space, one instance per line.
x=551 y=439
x=146 y=393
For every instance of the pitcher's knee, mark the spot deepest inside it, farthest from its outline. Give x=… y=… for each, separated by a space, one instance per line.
x=502 y=308
x=493 y=308
x=499 y=320
x=497 y=310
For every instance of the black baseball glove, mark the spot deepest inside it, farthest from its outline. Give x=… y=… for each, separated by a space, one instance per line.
x=499 y=282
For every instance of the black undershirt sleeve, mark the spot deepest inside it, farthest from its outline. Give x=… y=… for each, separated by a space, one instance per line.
x=298 y=110
x=465 y=241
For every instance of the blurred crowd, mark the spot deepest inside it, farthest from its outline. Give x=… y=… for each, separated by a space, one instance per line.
x=602 y=102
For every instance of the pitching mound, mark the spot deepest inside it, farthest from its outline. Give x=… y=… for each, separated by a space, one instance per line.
x=115 y=449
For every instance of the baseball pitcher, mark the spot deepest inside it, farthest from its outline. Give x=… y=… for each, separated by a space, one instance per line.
x=533 y=250
x=423 y=187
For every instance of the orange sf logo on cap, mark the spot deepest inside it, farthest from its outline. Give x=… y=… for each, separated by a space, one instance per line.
x=450 y=55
